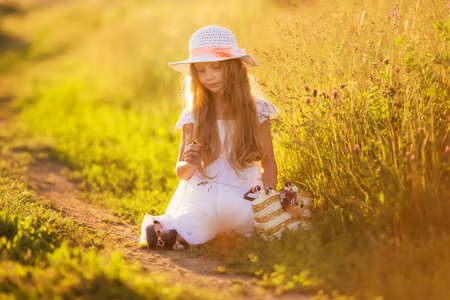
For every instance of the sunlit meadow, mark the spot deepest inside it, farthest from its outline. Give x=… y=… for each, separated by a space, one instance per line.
x=363 y=91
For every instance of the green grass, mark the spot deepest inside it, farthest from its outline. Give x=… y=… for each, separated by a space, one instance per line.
x=96 y=90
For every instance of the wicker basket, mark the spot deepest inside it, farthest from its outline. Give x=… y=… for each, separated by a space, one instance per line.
x=274 y=212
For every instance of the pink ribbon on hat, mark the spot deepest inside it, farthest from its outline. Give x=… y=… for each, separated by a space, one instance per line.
x=221 y=52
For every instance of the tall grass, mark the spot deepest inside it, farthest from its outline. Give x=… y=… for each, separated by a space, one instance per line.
x=364 y=125
x=372 y=141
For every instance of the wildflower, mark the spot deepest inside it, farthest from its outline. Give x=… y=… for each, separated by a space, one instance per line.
x=448 y=5
x=323 y=94
x=374 y=64
x=407 y=153
x=447 y=150
x=386 y=61
x=419 y=130
x=407 y=70
x=378 y=80
x=397 y=69
x=334 y=94
x=306 y=88
x=357 y=148
x=370 y=76
x=308 y=101
x=315 y=93
x=383 y=92
x=391 y=89
x=373 y=142
x=394 y=15
x=342 y=85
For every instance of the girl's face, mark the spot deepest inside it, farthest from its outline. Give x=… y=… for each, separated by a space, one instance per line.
x=210 y=75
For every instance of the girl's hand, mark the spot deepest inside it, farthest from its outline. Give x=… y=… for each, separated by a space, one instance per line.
x=193 y=154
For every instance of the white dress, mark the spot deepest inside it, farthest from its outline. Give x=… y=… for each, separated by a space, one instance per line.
x=201 y=208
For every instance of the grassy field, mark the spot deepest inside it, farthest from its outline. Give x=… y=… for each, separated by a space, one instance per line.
x=363 y=88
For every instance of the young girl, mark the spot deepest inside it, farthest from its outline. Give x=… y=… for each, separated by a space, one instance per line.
x=226 y=132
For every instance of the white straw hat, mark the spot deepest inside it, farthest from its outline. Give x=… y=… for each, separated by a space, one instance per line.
x=213 y=43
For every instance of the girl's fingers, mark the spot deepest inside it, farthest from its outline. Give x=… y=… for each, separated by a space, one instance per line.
x=193 y=149
x=196 y=147
x=191 y=154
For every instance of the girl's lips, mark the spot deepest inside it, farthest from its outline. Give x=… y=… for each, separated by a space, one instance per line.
x=214 y=84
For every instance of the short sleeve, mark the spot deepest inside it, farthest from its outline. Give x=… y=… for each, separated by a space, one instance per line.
x=185 y=118
x=265 y=110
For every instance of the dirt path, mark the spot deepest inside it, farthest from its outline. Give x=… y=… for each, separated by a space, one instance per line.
x=178 y=266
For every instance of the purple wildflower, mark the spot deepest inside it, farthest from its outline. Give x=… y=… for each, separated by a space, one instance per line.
x=334 y=94
x=397 y=69
x=308 y=101
x=315 y=93
x=306 y=88
x=342 y=85
x=394 y=15
x=386 y=61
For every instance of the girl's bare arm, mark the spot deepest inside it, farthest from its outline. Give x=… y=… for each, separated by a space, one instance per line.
x=189 y=156
x=268 y=163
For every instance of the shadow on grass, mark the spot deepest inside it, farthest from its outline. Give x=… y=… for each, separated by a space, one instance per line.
x=12 y=48
x=45 y=152
x=10 y=43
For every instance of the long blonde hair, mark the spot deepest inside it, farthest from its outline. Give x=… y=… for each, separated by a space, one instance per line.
x=245 y=145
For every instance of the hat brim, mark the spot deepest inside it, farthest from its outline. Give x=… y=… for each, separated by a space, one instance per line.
x=184 y=66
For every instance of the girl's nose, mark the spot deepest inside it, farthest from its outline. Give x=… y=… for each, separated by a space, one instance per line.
x=209 y=73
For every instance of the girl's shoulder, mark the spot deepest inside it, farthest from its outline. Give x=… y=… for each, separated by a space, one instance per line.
x=185 y=118
x=265 y=110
